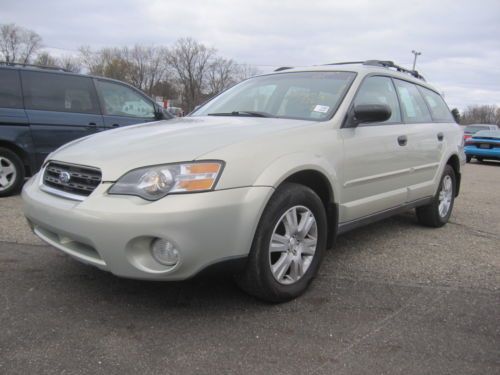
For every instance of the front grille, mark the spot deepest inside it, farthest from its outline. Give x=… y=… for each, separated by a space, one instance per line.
x=73 y=179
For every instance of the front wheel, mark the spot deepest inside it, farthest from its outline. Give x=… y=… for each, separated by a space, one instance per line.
x=437 y=213
x=468 y=158
x=288 y=245
x=11 y=172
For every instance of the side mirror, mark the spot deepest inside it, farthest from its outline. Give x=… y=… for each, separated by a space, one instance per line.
x=371 y=113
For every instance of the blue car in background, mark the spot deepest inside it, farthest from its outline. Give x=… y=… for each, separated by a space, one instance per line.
x=42 y=108
x=484 y=144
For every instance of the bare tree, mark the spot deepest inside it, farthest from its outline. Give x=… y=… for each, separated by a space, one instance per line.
x=142 y=67
x=481 y=114
x=69 y=63
x=17 y=44
x=246 y=71
x=190 y=62
x=221 y=74
x=45 y=59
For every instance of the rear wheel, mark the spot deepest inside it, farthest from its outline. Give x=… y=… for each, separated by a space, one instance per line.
x=437 y=213
x=468 y=158
x=11 y=172
x=288 y=245
x=479 y=159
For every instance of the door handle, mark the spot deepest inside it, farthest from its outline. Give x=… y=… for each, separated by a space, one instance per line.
x=440 y=136
x=92 y=126
x=115 y=125
x=402 y=140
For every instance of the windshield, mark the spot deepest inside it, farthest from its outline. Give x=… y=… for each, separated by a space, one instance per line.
x=303 y=95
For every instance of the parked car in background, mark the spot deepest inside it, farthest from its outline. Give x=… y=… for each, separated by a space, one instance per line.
x=485 y=144
x=470 y=130
x=176 y=111
x=262 y=178
x=43 y=108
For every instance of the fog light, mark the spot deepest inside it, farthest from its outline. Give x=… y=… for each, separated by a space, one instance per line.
x=164 y=252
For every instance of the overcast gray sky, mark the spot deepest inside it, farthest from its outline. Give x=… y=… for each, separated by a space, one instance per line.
x=459 y=40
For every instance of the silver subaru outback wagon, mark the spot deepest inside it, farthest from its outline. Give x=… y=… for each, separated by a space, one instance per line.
x=261 y=178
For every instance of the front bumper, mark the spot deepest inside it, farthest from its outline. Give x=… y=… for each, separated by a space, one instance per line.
x=114 y=232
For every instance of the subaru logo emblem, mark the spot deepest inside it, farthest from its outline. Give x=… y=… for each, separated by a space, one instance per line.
x=64 y=177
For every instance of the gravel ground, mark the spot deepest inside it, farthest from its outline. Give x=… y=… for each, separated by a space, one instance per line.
x=392 y=297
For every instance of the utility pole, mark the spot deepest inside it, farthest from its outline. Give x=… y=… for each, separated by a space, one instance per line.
x=415 y=59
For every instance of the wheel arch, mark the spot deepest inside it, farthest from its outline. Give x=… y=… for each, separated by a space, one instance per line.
x=320 y=184
x=454 y=162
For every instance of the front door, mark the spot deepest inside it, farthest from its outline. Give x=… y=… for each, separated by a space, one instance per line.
x=376 y=163
x=123 y=105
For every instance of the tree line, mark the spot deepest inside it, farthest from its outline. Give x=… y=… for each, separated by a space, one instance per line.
x=478 y=114
x=188 y=70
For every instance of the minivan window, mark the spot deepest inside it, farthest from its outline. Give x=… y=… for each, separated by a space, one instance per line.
x=379 y=90
x=10 y=89
x=439 y=109
x=295 y=95
x=119 y=100
x=412 y=103
x=59 y=92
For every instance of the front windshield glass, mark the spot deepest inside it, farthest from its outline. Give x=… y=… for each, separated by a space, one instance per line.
x=303 y=95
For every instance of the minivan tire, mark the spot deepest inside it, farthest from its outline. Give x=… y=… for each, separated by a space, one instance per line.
x=429 y=215
x=258 y=278
x=10 y=159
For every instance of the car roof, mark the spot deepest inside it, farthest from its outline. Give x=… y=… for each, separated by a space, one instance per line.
x=359 y=68
x=57 y=70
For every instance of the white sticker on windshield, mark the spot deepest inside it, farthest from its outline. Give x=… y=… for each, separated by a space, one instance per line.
x=321 y=108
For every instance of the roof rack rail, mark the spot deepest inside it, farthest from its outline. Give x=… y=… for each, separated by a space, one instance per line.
x=283 y=68
x=57 y=68
x=384 y=64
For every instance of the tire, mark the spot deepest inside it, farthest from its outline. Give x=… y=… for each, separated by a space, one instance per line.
x=258 y=278
x=11 y=172
x=468 y=158
x=479 y=159
x=430 y=215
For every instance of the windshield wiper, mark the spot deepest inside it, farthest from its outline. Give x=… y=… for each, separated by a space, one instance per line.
x=243 y=113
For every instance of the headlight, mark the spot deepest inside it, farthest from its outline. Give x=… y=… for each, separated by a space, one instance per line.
x=155 y=182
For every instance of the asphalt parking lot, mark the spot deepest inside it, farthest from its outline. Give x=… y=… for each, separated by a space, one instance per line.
x=392 y=298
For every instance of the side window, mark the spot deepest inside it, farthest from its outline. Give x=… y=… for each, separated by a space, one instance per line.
x=413 y=105
x=120 y=100
x=10 y=89
x=59 y=92
x=379 y=90
x=439 y=109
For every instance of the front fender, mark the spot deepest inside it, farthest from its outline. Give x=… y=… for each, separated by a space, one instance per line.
x=282 y=168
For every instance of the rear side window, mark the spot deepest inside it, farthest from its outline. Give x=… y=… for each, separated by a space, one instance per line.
x=59 y=92
x=412 y=103
x=10 y=89
x=379 y=90
x=439 y=109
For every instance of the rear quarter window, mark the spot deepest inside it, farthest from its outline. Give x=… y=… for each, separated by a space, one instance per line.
x=439 y=110
x=412 y=103
x=10 y=89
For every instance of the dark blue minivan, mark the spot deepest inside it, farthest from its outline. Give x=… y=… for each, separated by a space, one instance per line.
x=43 y=108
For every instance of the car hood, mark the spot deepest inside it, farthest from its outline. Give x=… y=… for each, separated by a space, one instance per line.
x=118 y=151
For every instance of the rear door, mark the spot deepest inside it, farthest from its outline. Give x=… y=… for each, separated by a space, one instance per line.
x=60 y=108
x=425 y=141
x=123 y=105
x=376 y=165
